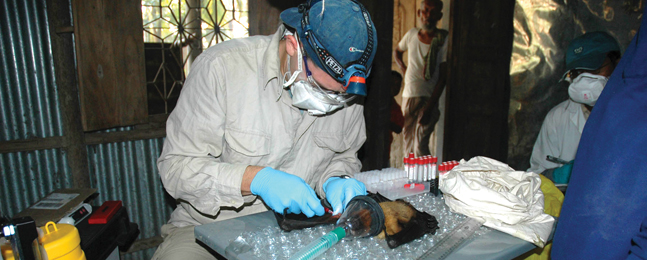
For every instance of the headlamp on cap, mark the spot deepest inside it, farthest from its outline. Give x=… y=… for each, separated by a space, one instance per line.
x=352 y=75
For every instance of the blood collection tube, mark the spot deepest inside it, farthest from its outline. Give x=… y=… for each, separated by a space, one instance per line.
x=432 y=165
x=453 y=164
x=430 y=160
x=406 y=167
x=433 y=182
x=419 y=170
x=442 y=170
x=413 y=168
x=423 y=166
x=425 y=170
x=434 y=168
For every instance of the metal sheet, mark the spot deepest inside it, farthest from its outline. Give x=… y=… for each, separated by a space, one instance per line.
x=29 y=176
x=128 y=172
x=29 y=106
x=542 y=31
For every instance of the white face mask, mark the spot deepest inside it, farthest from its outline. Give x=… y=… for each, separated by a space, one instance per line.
x=304 y=96
x=311 y=98
x=586 y=88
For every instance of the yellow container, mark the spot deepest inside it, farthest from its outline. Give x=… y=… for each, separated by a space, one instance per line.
x=61 y=242
x=7 y=252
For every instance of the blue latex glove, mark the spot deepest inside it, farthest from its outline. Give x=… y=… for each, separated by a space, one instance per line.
x=339 y=191
x=562 y=174
x=280 y=191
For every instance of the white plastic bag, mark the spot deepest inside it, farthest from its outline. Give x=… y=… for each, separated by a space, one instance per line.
x=504 y=199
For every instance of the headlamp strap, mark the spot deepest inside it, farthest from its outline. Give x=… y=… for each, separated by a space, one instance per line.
x=369 y=28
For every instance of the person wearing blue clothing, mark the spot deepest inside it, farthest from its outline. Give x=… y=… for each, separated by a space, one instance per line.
x=604 y=215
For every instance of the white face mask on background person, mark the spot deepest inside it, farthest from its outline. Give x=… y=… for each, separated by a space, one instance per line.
x=308 y=97
x=586 y=88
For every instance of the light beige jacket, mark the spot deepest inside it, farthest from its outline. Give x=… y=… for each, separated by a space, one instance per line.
x=233 y=112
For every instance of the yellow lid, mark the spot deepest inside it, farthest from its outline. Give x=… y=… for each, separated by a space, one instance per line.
x=60 y=240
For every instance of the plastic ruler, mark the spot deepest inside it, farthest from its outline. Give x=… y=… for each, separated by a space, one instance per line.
x=452 y=240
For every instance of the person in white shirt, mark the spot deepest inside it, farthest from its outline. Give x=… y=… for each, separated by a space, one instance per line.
x=424 y=78
x=270 y=117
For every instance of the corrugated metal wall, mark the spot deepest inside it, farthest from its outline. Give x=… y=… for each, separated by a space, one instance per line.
x=29 y=108
x=127 y=171
x=28 y=176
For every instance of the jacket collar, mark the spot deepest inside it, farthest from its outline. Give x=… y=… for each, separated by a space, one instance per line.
x=271 y=64
x=576 y=114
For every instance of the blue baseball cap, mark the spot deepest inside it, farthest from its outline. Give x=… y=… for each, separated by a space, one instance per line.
x=588 y=51
x=339 y=37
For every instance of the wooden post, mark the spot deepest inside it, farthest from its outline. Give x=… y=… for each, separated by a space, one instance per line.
x=377 y=105
x=58 y=12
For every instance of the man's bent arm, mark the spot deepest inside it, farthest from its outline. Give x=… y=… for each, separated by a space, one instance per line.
x=397 y=55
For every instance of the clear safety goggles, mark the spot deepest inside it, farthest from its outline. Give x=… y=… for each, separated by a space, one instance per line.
x=327 y=96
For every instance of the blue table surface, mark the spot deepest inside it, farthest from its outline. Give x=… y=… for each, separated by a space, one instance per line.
x=218 y=236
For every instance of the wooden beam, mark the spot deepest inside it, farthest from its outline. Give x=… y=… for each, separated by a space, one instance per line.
x=125 y=136
x=155 y=128
x=32 y=144
x=58 y=13
x=377 y=105
x=142 y=132
x=65 y=29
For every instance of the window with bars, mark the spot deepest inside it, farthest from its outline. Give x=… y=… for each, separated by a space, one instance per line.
x=175 y=32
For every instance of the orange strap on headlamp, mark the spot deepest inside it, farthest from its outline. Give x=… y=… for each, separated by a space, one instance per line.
x=356 y=85
x=355 y=79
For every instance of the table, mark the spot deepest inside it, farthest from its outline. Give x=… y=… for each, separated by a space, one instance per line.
x=218 y=235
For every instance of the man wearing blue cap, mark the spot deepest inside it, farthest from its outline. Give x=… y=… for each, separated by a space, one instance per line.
x=270 y=117
x=590 y=60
